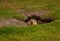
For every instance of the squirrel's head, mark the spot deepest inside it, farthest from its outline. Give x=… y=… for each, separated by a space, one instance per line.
x=32 y=22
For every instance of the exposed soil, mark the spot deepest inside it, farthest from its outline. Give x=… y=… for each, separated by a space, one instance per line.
x=27 y=13
x=16 y=22
x=36 y=15
x=12 y=21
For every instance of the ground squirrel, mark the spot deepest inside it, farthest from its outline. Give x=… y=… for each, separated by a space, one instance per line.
x=32 y=22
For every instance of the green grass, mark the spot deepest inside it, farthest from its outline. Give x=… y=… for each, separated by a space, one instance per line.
x=10 y=13
x=44 y=32
x=32 y=4
x=55 y=14
x=41 y=32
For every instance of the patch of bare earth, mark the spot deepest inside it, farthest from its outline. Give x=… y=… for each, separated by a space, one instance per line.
x=26 y=13
x=11 y=22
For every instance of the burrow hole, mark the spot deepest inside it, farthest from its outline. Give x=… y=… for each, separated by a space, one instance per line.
x=34 y=20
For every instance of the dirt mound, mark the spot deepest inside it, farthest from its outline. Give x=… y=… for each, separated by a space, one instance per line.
x=11 y=22
x=36 y=15
x=15 y=22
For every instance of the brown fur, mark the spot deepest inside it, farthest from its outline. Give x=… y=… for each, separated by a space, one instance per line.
x=32 y=22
